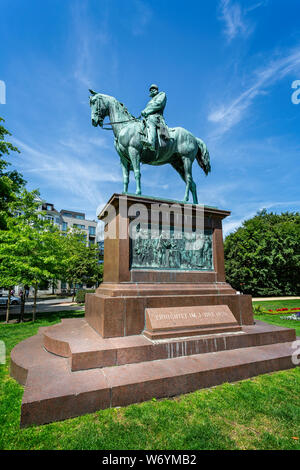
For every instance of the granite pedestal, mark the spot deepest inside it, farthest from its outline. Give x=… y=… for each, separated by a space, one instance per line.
x=148 y=331
x=118 y=307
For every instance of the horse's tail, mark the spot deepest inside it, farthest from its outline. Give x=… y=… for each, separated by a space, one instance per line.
x=203 y=156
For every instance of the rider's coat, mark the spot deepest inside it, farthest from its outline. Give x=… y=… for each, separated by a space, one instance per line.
x=153 y=114
x=156 y=105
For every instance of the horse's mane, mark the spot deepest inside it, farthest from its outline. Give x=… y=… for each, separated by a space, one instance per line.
x=121 y=106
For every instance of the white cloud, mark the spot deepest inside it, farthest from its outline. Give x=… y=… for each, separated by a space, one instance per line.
x=256 y=5
x=230 y=114
x=83 y=145
x=232 y=16
x=142 y=18
x=72 y=174
x=236 y=19
x=93 y=45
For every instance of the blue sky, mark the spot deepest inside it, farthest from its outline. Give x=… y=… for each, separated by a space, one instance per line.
x=227 y=67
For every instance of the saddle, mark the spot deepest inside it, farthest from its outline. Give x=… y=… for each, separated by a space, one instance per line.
x=162 y=132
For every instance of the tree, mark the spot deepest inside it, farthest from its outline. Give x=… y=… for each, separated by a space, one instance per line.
x=11 y=182
x=30 y=249
x=81 y=261
x=262 y=257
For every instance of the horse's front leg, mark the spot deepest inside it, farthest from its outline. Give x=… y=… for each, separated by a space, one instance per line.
x=135 y=160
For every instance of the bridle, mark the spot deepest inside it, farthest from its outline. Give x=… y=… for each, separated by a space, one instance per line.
x=99 y=116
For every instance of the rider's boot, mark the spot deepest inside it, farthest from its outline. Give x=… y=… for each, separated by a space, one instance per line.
x=150 y=143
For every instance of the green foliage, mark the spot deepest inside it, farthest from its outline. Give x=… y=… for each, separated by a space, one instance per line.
x=11 y=182
x=80 y=295
x=32 y=250
x=262 y=257
x=258 y=310
x=28 y=247
x=81 y=262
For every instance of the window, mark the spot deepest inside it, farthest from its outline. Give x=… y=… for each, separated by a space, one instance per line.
x=64 y=226
x=79 y=226
x=101 y=247
x=49 y=207
x=79 y=217
x=92 y=230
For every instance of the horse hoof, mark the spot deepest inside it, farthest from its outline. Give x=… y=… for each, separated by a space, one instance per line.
x=138 y=193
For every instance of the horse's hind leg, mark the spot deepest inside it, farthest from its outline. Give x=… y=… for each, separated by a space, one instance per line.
x=194 y=192
x=135 y=161
x=180 y=168
x=190 y=183
x=125 y=170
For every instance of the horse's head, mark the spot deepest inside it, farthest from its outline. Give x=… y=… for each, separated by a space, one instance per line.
x=99 y=108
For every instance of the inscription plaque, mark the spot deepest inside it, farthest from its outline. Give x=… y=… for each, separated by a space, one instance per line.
x=189 y=321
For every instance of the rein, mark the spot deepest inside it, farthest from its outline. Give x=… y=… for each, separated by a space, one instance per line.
x=118 y=122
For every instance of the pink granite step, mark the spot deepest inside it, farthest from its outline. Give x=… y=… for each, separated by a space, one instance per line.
x=86 y=349
x=53 y=392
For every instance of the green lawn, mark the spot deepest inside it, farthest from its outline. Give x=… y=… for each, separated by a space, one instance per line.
x=273 y=304
x=275 y=319
x=262 y=413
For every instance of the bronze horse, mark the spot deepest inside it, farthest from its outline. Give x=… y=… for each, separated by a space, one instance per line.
x=180 y=150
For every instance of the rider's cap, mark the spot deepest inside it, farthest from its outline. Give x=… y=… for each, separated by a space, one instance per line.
x=153 y=86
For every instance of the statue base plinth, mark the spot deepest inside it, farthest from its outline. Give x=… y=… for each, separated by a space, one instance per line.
x=147 y=333
x=118 y=306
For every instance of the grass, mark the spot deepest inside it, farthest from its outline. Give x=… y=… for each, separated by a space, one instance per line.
x=259 y=413
x=273 y=304
x=275 y=319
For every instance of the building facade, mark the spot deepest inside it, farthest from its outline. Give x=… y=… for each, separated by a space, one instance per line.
x=65 y=220
x=68 y=219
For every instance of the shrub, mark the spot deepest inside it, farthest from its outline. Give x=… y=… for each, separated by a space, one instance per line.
x=80 y=295
x=262 y=257
x=258 y=310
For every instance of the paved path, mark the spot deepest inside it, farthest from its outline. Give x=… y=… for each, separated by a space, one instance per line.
x=59 y=305
x=275 y=298
x=43 y=306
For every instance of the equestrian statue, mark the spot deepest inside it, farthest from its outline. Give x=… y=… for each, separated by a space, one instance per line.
x=149 y=140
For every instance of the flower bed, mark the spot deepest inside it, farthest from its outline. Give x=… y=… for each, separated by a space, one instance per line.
x=295 y=316
x=279 y=311
x=285 y=311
